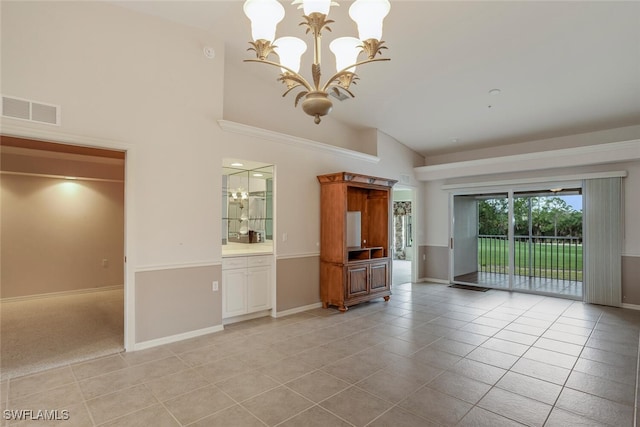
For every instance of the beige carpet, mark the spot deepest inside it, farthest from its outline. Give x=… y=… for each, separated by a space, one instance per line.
x=43 y=333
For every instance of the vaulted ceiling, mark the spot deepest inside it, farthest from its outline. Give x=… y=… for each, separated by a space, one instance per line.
x=561 y=67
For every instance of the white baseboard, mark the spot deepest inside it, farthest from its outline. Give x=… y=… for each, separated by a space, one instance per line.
x=243 y=317
x=297 y=310
x=178 y=337
x=431 y=280
x=62 y=293
x=631 y=306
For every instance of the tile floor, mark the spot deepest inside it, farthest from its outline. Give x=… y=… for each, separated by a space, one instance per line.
x=566 y=288
x=432 y=355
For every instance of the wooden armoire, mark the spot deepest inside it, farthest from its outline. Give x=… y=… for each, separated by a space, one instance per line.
x=355 y=239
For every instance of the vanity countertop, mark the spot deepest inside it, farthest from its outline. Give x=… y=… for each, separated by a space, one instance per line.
x=247 y=249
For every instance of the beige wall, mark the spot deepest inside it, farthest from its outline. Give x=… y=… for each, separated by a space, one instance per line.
x=142 y=81
x=631 y=280
x=298 y=282
x=176 y=301
x=267 y=109
x=56 y=234
x=437 y=262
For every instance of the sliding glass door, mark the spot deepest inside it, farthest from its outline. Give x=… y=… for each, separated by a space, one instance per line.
x=548 y=241
x=529 y=241
x=481 y=240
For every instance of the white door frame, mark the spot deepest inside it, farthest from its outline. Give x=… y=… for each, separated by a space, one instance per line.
x=414 y=205
x=53 y=135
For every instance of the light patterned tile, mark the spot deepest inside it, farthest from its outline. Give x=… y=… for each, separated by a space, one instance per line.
x=478 y=417
x=493 y=357
x=171 y=386
x=594 y=407
x=515 y=407
x=478 y=371
x=247 y=385
x=314 y=417
x=390 y=387
x=435 y=358
x=435 y=406
x=111 y=406
x=533 y=388
x=318 y=385
x=397 y=417
x=602 y=387
x=450 y=346
x=356 y=406
x=559 y=346
x=562 y=418
x=234 y=416
x=460 y=387
x=155 y=416
x=269 y=406
x=542 y=371
x=551 y=357
x=504 y=346
x=197 y=404
x=39 y=382
x=98 y=367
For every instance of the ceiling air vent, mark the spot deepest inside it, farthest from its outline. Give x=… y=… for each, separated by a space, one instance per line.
x=339 y=95
x=23 y=109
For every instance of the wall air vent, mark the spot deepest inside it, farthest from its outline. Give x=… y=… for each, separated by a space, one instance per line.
x=23 y=109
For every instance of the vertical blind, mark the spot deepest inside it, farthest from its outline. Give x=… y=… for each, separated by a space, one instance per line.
x=603 y=241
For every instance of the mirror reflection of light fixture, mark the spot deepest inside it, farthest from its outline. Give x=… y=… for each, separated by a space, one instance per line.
x=239 y=195
x=556 y=190
x=265 y=16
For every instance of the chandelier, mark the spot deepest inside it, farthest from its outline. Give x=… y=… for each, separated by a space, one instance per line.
x=265 y=16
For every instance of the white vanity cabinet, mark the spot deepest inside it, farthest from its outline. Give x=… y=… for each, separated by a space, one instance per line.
x=246 y=285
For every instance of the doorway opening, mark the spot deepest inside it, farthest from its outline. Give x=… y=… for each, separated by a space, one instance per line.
x=63 y=260
x=403 y=245
x=528 y=241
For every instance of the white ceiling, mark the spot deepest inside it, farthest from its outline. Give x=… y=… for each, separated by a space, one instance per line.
x=562 y=67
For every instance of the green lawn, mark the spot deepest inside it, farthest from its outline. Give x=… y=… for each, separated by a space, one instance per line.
x=547 y=259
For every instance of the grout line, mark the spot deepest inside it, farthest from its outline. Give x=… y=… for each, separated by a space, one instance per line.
x=564 y=385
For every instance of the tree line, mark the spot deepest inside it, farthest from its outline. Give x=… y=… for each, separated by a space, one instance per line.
x=550 y=216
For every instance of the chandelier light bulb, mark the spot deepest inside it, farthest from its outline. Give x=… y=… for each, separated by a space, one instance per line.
x=317 y=6
x=368 y=15
x=290 y=50
x=346 y=50
x=265 y=16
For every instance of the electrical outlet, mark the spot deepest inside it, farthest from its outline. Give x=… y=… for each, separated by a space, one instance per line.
x=105 y=263
x=214 y=287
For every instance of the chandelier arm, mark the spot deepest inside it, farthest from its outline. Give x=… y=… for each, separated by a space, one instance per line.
x=304 y=81
x=337 y=87
x=336 y=75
